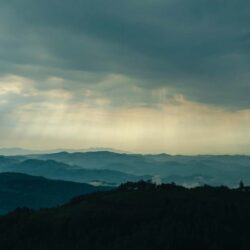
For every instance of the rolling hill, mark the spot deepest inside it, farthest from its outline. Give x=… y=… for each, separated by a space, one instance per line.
x=58 y=170
x=21 y=190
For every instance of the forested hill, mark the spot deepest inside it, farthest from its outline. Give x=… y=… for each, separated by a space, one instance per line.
x=21 y=190
x=137 y=216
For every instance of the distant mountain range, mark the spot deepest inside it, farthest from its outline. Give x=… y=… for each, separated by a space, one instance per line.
x=22 y=151
x=184 y=170
x=21 y=190
x=116 y=168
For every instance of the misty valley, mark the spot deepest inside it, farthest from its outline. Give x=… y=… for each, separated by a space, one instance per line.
x=50 y=179
x=112 y=168
x=111 y=200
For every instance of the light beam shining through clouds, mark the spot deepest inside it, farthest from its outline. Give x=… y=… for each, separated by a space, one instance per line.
x=139 y=76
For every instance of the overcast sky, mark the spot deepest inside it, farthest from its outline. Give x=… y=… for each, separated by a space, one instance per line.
x=144 y=76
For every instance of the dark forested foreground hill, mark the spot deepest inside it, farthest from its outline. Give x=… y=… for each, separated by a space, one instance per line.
x=137 y=216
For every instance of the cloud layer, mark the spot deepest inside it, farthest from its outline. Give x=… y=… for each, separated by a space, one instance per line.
x=198 y=48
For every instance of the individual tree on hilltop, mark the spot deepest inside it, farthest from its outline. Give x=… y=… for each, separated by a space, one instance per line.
x=241 y=185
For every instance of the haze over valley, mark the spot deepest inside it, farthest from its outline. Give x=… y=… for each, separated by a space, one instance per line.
x=116 y=168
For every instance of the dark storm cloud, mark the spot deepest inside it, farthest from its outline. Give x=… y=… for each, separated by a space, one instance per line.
x=201 y=48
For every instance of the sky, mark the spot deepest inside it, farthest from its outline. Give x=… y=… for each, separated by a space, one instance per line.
x=145 y=76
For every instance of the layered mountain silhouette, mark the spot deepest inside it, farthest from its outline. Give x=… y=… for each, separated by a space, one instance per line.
x=59 y=170
x=121 y=167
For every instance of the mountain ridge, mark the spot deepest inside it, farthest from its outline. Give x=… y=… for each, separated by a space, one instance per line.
x=22 y=190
